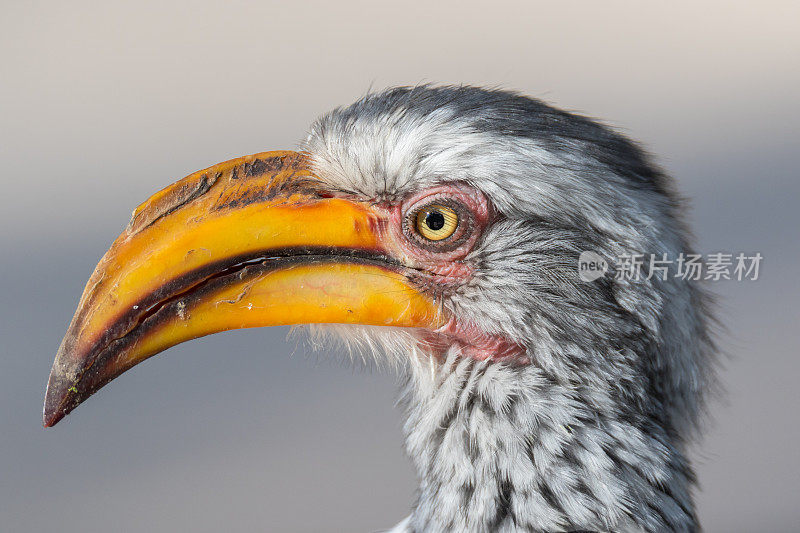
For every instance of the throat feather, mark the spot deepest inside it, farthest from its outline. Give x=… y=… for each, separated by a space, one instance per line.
x=503 y=446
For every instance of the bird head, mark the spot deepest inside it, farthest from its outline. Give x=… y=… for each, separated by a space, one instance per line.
x=445 y=225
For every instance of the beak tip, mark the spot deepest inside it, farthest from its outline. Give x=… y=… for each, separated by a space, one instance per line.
x=60 y=395
x=48 y=421
x=50 y=417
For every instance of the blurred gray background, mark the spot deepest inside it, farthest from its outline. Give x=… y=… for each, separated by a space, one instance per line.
x=103 y=103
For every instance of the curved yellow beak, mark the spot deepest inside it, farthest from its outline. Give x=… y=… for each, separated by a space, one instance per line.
x=251 y=242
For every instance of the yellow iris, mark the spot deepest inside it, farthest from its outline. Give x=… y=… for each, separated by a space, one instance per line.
x=436 y=222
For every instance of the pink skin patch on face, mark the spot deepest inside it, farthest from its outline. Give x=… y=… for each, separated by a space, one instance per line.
x=443 y=259
x=472 y=342
x=443 y=268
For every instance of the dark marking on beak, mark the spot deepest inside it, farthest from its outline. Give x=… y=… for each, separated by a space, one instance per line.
x=173 y=200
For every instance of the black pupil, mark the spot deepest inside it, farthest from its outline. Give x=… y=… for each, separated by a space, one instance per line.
x=434 y=220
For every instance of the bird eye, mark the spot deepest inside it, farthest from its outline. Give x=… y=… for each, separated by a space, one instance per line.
x=436 y=222
x=445 y=220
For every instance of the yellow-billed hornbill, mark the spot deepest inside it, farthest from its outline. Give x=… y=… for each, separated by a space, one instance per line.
x=443 y=225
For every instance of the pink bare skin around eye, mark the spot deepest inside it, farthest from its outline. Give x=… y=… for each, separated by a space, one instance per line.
x=447 y=270
x=473 y=200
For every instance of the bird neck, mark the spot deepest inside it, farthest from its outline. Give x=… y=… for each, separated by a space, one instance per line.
x=503 y=447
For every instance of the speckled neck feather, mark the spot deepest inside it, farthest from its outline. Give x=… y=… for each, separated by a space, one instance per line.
x=504 y=448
